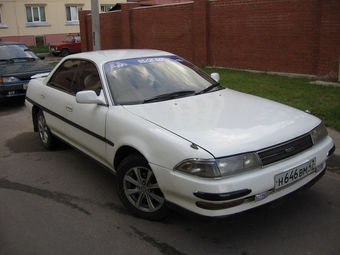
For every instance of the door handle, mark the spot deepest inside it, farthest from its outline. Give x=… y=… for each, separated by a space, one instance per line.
x=42 y=96
x=69 y=108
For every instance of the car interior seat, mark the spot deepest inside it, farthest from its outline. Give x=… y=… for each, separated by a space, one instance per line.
x=92 y=82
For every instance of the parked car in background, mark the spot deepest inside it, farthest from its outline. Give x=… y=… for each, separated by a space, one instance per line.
x=174 y=136
x=70 y=44
x=17 y=64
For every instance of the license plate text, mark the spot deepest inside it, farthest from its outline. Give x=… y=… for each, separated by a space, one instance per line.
x=294 y=174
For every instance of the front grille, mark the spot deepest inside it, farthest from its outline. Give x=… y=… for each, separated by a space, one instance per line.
x=285 y=150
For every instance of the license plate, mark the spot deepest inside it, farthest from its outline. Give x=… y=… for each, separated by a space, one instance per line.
x=24 y=86
x=295 y=174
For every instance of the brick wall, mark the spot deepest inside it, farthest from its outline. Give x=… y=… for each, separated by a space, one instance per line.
x=329 y=51
x=265 y=36
x=85 y=28
x=294 y=36
x=165 y=27
x=111 y=31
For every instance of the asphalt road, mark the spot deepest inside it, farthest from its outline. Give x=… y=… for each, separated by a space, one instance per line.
x=62 y=202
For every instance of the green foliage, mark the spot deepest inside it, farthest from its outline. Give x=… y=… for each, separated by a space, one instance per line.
x=39 y=49
x=323 y=101
x=53 y=63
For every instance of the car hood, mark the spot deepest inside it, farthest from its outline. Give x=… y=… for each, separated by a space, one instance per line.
x=24 y=69
x=61 y=44
x=227 y=122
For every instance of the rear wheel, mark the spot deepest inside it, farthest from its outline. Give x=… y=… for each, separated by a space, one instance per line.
x=47 y=139
x=138 y=189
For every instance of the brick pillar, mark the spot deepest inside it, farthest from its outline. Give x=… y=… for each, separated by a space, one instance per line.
x=85 y=31
x=201 y=32
x=329 y=52
x=126 y=24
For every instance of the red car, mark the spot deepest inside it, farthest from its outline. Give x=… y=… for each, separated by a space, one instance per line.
x=70 y=44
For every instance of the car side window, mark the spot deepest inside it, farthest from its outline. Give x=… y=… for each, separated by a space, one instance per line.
x=63 y=78
x=76 y=75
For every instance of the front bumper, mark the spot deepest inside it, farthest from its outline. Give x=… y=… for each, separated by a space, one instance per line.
x=227 y=196
x=269 y=205
x=13 y=89
x=54 y=50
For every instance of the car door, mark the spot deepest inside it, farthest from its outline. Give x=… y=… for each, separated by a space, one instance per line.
x=52 y=97
x=85 y=123
x=75 y=45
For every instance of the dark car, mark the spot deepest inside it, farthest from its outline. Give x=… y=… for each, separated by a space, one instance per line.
x=70 y=44
x=17 y=65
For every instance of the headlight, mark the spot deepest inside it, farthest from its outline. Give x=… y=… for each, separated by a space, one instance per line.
x=319 y=133
x=8 y=79
x=220 y=167
x=200 y=167
x=238 y=164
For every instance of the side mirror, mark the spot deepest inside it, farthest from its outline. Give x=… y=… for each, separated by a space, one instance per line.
x=215 y=76
x=90 y=97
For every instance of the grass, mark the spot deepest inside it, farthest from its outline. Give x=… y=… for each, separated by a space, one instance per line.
x=323 y=101
x=54 y=63
x=39 y=49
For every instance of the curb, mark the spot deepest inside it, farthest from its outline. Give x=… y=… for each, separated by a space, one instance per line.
x=333 y=164
x=334 y=161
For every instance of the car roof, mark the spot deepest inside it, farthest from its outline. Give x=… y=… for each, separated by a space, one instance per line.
x=103 y=56
x=12 y=43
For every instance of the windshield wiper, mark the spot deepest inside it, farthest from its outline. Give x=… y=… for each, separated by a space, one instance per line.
x=211 y=87
x=23 y=58
x=168 y=96
x=6 y=60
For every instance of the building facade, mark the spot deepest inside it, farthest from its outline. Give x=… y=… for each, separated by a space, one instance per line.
x=41 y=22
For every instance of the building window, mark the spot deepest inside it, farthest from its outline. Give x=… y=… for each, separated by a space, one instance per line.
x=105 y=8
x=2 y=25
x=110 y=8
x=72 y=15
x=36 y=16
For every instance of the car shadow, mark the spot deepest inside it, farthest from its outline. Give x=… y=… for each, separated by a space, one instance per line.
x=11 y=105
x=29 y=142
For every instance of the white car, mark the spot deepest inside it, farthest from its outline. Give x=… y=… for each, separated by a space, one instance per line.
x=174 y=137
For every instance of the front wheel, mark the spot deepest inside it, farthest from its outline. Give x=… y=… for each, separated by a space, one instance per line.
x=47 y=139
x=64 y=52
x=138 y=189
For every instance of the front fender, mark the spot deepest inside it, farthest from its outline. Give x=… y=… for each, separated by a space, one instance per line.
x=158 y=145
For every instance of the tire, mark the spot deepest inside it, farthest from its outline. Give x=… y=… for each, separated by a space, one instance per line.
x=64 y=52
x=48 y=140
x=138 y=189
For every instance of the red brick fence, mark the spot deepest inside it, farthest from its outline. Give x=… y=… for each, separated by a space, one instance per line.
x=292 y=36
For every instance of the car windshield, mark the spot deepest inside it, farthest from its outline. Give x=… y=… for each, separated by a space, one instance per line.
x=69 y=38
x=16 y=53
x=144 y=80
